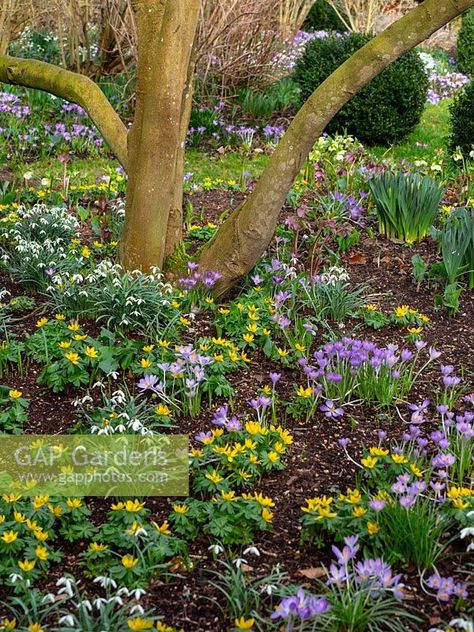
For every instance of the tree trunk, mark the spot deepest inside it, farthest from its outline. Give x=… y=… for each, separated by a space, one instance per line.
x=246 y=234
x=166 y=30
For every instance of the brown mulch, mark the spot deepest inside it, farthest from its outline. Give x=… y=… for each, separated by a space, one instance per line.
x=314 y=464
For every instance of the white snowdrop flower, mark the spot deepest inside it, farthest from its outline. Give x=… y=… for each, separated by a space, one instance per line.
x=105 y=582
x=67 y=585
x=49 y=598
x=137 y=609
x=466 y=531
x=268 y=589
x=216 y=549
x=68 y=620
x=239 y=561
x=464 y=624
x=252 y=550
x=14 y=577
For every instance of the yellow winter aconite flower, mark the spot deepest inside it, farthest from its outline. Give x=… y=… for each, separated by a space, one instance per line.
x=252 y=328
x=285 y=436
x=372 y=528
x=129 y=562
x=41 y=535
x=8 y=624
x=248 y=338
x=267 y=515
x=14 y=394
x=282 y=352
x=353 y=496
x=35 y=627
x=164 y=344
x=371 y=307
x=134 y=529
x=401 y=311
x=98 y=547
x=59 y=317
x=273 y=457
x=91 y=352
x=224 y=311
x=55 y=510
x=303 y=392
x=41 y=322
x=253 y=428
x=164 y=528
x=263 y=501
x=460 y=492
x=184 y=321
x=300 y=348
x=39 y=501
x=416 y=470
x=228 y=496
x=137 y=623
x=314 y=504
x=460 y=504
x=11 y=498
x=74 y=503
x=148 y=348
x=162 y=627
x=74 y=327
x=73 y=357
x=214 y=477
x=85 y=252
x=358 y=512
x=415 y=330
x=65 y=344
x=80 y=337
x=369 y=462
x=131 y=506
x=9 y=536
x=398 y=458
x=162 y=410
x=375 y=451
x=244 y=624
x=180 y=509
x=41 y=553
x=26 y=565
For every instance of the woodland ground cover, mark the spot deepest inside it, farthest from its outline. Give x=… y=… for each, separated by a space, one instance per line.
x=329 y=398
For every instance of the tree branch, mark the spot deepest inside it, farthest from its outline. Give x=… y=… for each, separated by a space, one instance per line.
x=73 y=87
x=245 y=235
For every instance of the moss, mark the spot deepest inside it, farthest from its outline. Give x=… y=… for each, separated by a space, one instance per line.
x=176 y=263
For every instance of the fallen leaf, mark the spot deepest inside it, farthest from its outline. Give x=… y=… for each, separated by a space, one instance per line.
x=434 y=620
x=357 y=259
x=312 y=573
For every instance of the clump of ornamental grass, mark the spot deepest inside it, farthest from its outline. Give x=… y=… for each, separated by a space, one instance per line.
x=406 y=204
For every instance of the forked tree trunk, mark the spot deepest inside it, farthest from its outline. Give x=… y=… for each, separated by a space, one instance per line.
x=245 y=235
x=156 y=139
x=153 y=150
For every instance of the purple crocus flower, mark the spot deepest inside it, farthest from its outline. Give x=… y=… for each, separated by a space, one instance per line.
x=330 y=410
